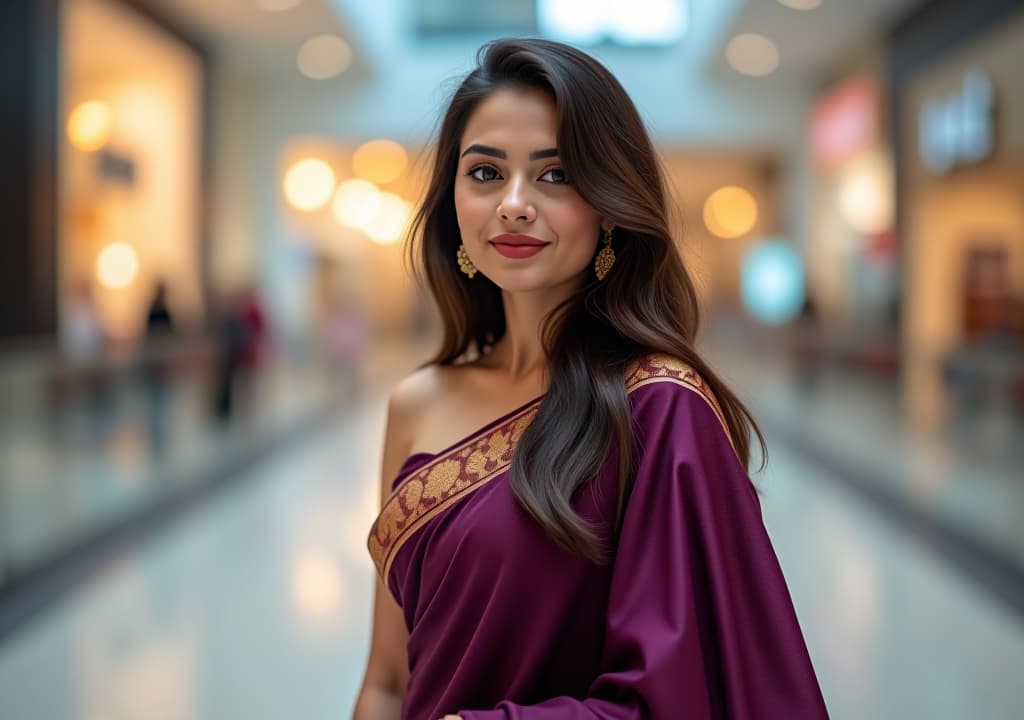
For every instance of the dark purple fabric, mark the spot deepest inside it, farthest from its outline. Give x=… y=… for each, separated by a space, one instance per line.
x=692 y=619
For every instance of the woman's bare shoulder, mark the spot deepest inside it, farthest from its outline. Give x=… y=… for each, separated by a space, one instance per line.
x=416 y=394
x=421 y=387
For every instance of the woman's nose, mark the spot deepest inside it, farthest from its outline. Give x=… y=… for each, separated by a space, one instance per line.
x=515 y=205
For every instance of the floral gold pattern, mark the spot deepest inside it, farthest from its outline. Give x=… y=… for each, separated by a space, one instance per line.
x=473 y=463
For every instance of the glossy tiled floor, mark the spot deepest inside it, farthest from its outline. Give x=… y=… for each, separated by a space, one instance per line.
x=256 y=605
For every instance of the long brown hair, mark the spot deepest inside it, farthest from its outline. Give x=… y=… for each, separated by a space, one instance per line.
x=646 y=303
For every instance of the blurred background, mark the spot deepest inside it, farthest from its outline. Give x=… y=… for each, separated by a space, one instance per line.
x=203 y=307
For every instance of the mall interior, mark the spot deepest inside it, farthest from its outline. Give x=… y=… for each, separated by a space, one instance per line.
x=204 y=306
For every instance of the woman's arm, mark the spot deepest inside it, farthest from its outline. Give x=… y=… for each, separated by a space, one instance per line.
x=387 y=674
x=387 y=668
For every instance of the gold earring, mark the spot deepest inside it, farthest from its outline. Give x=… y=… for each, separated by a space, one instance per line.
x=605 y=258
x=465 y=264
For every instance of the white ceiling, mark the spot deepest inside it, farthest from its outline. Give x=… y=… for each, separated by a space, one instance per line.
x=687 y=93
x=241 y=32
x=812 y=43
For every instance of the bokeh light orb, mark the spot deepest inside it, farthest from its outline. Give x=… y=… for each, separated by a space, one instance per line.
x=278 y=5
x=380 y=161
x=730 y=212
x=772 y=282
x=90 y=125
x=117 y=266
x=752 y=54
x=324 y=56
x=356 y=203
x=316 y=586
x=308 y=184
x=391 y=219
x=866 y=195
x=801 y=4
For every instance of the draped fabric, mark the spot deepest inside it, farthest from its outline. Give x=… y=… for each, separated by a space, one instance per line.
x=691 y=620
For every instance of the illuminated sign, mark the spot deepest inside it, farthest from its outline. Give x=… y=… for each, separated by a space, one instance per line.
x=772 y=282
x=958 y=129
x=845 y=122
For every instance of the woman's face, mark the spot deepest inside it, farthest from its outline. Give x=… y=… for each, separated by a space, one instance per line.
x=510 y=187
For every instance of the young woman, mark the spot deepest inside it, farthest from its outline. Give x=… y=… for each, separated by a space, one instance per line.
x=567 y=528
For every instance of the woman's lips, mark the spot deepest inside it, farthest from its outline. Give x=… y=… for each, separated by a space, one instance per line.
x=517 y=246
x=517 y=251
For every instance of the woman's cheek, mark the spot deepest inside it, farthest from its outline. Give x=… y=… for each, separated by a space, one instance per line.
x=470 y=211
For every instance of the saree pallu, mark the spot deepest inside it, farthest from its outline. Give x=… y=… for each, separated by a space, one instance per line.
x=692 y=619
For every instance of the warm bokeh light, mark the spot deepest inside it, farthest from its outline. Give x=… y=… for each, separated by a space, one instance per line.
x=308 y=184
x=356 y=203
x=90 y=124
x=316 y=586
x=380 y=161
x=324 y=56
x=752 y=54
x=773 y=282
x=117 y=266
x=866 y=194
x=389 y=223
x=801 y=4
x=278 y=5
x=730 y=211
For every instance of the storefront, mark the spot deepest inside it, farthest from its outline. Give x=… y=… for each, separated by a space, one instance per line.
x=960 y=138
x=130 y=180
x=851 y=257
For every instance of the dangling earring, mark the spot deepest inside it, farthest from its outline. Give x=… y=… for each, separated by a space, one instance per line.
x=465 y=264
x=605 y=258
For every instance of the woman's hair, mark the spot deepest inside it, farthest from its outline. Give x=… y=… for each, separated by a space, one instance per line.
x=646 y=303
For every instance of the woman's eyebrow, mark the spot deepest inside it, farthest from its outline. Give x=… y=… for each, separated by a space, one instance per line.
x=495 y=152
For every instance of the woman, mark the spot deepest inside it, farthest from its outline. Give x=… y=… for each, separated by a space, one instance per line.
x=614 y=565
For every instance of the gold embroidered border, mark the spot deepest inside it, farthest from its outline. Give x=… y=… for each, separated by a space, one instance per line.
x=660 y=368
x=449 y=477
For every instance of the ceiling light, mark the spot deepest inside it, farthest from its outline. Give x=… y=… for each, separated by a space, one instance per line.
x=324 y=56
x=278 y=5
x=752 y=54
x=308 y=184
x=90 y=124
x=730 y=212
x=355 y=203
x=801 y=4
x=866 y=195
x=390 y=220
x=640 y=22
x=117 y=265
x=379 y=161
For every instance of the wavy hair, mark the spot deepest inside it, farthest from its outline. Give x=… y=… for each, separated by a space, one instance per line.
x=647 y=303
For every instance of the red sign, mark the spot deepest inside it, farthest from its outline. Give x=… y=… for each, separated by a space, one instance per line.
x=845 y=122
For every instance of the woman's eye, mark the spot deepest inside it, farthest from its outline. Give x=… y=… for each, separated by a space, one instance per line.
x=557 y=176
x=484 y=173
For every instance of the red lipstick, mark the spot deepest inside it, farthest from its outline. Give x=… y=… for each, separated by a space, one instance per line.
x=518 y=246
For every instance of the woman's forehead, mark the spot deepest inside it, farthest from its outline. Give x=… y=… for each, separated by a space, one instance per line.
x=513 y=120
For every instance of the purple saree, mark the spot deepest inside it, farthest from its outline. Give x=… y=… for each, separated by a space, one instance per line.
x=691 y=620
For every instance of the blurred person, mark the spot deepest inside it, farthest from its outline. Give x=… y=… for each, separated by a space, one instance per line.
x=241 y=349
x=348 y=334
x=598 y=550
x=84 y=340
x=252 y=351
x=230 y=334
x=157 y=364
x=82 y=333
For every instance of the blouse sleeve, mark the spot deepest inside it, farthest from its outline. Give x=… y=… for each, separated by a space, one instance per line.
x=700 y=623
